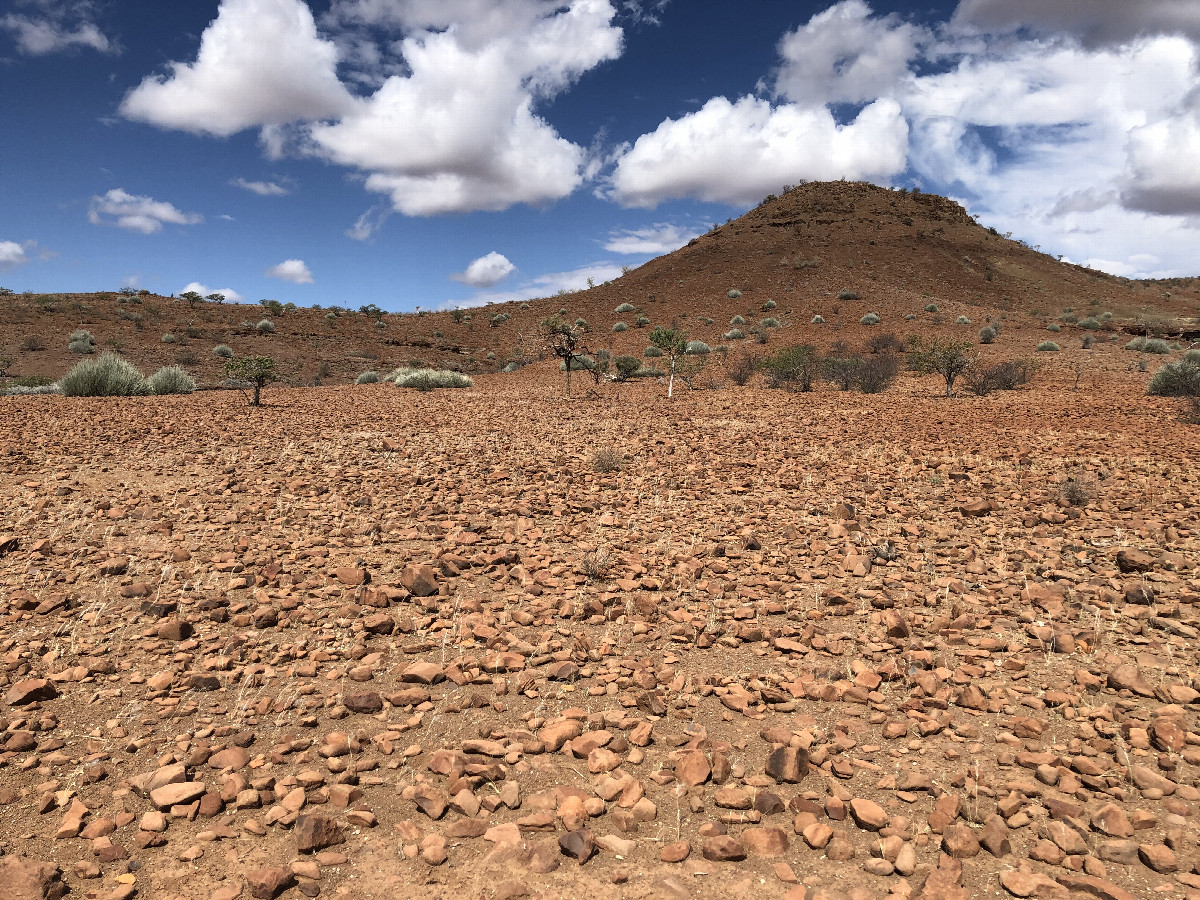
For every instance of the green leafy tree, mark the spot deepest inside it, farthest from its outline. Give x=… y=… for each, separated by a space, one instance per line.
x=216 y=297
x=565 y=340
x=256 y=371
x=191 y=297
x=371 y=311
x=673 y=344
x=946 y=357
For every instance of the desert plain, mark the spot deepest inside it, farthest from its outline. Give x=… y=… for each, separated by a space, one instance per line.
x=368 y=642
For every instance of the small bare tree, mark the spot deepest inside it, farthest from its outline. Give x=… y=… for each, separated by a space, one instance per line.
x=673 y=344
x=565 y=340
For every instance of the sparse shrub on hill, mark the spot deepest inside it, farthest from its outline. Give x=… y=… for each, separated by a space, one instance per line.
x=429 y=379
x=107 y=376
x=841 y=367
x=620 y=326
x=1091 y=323
x=847 y=294
x=875 y=374
x=1087 y=342
x=944 y=357
x=1005 y=376
x=641 y=321
x=624 y=308
x=1048 y=347
x=794 y=368
x=171 y=380
x=885 y=343
x=223 y=350
x=733 y=294
x=963 y=320
x=697 y=348
x=651 y=352
x=251 y=373
x=274 y=307
x=931 y=307
x=733 y=334
x=1192 y=356
x=33 y=342
x=769 y=323
x=1054 y=326
x=265 y=326
x=737 y=321
x=606 y=460
x=817 y=320
x=1180 y=378
x=741 y=367
x=1077 y=487
x=499 y=319
x=168 y=338
x=769 y=305
x=367 y=378
x=987 y=335
x=870 y=319
x=81 y=341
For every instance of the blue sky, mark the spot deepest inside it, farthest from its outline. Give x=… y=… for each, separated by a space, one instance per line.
x=436 y=153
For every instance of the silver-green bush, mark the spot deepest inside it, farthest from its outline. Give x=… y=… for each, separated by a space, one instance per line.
x=624 y=308
x=265 y=326
x=1048 y=346
x=870 y=319
x=1176 y=379
x=697 y=348
x=223 y=350
x=171 y=380
x=367 y=378
x=1149 y=345
x=429 y=379
x=81 y=341
x=107 y=376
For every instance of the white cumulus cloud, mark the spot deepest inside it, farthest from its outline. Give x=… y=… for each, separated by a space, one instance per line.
x=262 y=188
x=13 y=255
x=261 y=62
x=844 y=54
x=486 y=271
x=460 y=130
x=49 y=26
x=230 y=295
x=737 y=152
x=293 y=270
x=137 y=213
x=1095 y=21
x=653 y=240
x=546 y=285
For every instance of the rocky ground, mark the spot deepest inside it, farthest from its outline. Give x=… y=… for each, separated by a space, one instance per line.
x=371 y=643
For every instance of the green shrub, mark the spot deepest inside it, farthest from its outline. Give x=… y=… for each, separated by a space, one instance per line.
x=627 y=367
x=1193 y=357
x=31 y=381
x=1091 y=323
x=265 y=326
x=962 y=320
x=499 y=319
x=1149 y=345
x=620 y=326
x=793 y=368
x=168 y=338
x=1176 y=379
x=81 y=341
x=223 y=350
x=931 y=307
x=817 y=320
x=847 y=294
x=987 y=335
x=733 y=294
x=624 y=308
x=171 y=380
x=1054 y=326
x=651 y=351
x=909 y=317
x=367 y=378
x=641 y=321
x=733 y=334
x=331 y=317
x=578 y=364
x=511 y=367
x=107 y=376
x=429 y=379
x=697 y=348
x=870 y=319
x=737 y=321
x=1048 y=347
x=768 y=306
x=769 y=323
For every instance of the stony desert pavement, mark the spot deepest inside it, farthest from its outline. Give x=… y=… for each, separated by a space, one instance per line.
x=372 y=643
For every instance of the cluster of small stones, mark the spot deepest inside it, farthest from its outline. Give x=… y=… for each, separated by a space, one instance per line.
x=360 y=660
